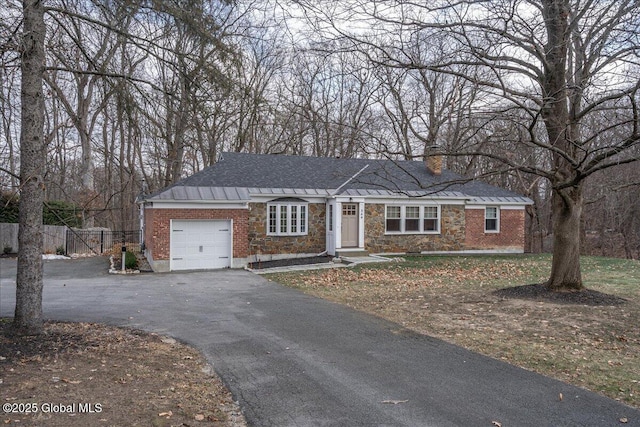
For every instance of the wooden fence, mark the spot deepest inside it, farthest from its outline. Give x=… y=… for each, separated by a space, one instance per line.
x=74 y=241
x=55 y=236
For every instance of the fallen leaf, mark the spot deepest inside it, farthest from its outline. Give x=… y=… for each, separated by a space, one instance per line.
x=165 y=414
x=394 y=402
x=68 y=381
x=199 y=417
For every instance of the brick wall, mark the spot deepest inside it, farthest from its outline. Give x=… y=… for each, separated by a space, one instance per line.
x=451 y=237
x=511 y=235
x=262 y=244
x=158 y=224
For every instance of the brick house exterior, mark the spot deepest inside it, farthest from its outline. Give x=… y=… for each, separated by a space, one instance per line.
x=511 y=233
x=158 y=221
x=324 y=205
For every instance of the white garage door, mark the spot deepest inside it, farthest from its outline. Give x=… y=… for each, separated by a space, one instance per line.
x=200 y=245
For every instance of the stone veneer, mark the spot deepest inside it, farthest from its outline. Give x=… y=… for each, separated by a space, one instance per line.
x=262 y=244
x=451 y=237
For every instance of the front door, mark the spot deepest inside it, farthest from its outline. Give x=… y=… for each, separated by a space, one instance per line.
x=349 y=225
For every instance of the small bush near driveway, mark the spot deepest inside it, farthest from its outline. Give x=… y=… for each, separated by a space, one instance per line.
x=596 y=346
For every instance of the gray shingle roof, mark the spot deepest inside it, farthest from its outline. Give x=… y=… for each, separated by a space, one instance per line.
x=237 y=175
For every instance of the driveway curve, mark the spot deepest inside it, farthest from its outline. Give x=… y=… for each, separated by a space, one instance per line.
x=295 y=360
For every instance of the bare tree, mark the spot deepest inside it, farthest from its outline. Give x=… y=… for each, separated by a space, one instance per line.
x=82 y=53
x=328 y=99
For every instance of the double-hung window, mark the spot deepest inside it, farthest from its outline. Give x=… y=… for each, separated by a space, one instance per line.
x=412 y=219
x=431 y=220
x=491 y=219
x=394 y=219
x=287 y=217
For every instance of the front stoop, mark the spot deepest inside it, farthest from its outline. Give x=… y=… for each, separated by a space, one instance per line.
x=341 y=253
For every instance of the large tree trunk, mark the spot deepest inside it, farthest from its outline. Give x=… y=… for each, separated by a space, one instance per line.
x=563 y=135
x=565 y=267
x=28 y=313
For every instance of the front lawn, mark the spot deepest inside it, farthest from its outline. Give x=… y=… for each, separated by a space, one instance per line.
x=452 y=298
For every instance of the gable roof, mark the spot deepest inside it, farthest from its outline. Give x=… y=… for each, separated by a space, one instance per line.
x=236 y=176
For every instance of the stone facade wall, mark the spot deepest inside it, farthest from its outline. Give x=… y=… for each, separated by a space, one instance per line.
x=511 y=235
x=451 y=237
x=158 y=228
x=262 y=244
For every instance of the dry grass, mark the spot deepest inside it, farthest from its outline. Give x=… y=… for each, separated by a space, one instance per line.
x=452 y=298
x=80 y=374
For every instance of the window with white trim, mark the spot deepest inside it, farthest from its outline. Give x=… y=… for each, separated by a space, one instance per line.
x=431 y=220
x=412 y=219
x=394 y=219
x=287 y=218
x=491 y=219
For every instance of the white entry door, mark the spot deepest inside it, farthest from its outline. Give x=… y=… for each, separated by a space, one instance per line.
x=200 y=245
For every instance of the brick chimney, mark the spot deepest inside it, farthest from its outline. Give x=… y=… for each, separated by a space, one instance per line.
x=433 y=161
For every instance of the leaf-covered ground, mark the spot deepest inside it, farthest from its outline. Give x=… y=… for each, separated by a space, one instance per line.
x=80 y=374
x=591 y=340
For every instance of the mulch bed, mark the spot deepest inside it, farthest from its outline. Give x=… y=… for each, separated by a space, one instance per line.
x=290 y=261
x=27 y=346
x=540 y=292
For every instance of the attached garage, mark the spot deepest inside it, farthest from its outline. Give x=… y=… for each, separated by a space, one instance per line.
x=201 y=244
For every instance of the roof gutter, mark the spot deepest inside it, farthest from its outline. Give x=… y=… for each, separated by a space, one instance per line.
x=337 y=190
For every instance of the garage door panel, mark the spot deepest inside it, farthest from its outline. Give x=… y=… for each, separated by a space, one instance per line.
x=197 y=245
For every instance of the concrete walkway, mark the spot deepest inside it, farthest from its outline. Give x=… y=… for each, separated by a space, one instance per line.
x=295 y=360
x=346 y=262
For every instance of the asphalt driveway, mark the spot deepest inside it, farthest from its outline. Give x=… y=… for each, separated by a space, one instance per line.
x=295 y=360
